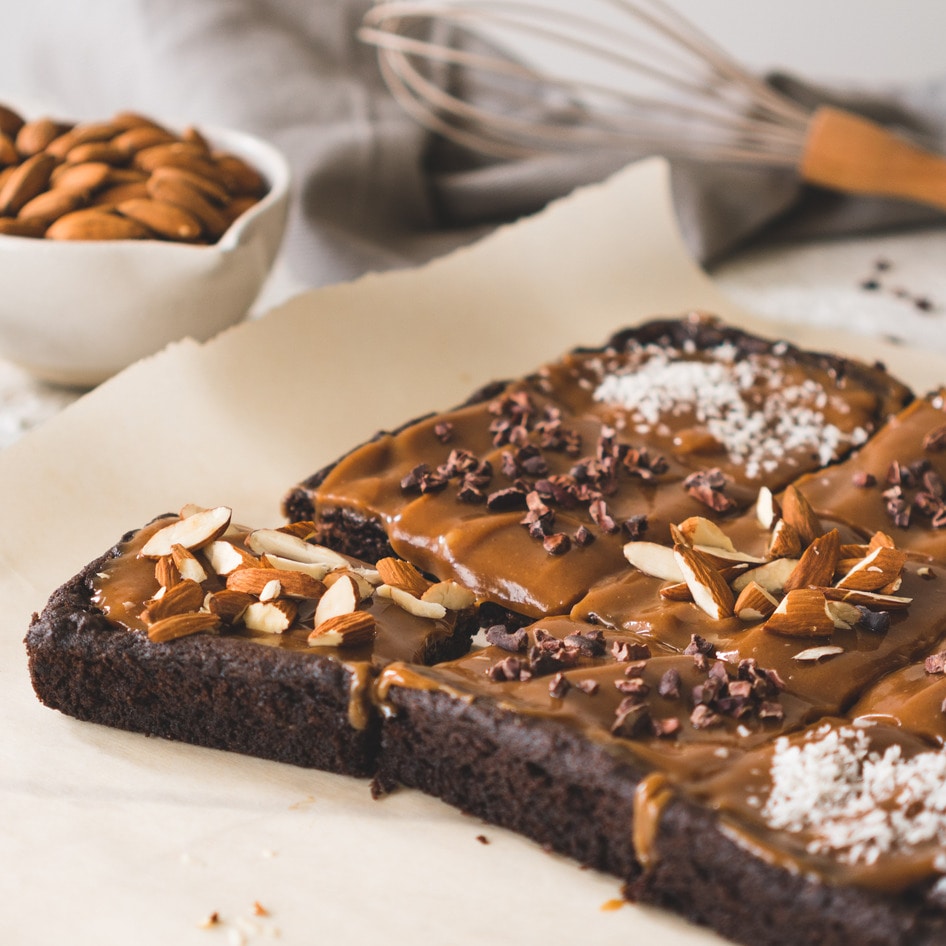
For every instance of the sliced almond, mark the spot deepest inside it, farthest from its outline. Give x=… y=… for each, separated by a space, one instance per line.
x=185 y=596
x=344 y=630
x=271 y=590
x=229 y=605
x=226 y=557
x=655 y=560
x=801 y=613
x=797 y=512
x=421 y=609
x=875 y=571
x=342 y=597
x=710 y=592
x=680 y=591
x=881 y=540
x=317 y=572
x=771 y=576
x=766 y=508
x=271 y=617
x=290 y=546
x=817 y=564
x=677 y=591
x=400 y=574
x=814 y=654
x=868 y=599
x=301 y=530
x=188 y=564
x=726 y=557
x=698 y=530
x=254 y=581
x=165 y=572
x=364 y=587
x=452 y=596
x=853 y=550
x=842 y=613
x=785 y=541
x=182 y=625
x=754 y=603
x=192 y=532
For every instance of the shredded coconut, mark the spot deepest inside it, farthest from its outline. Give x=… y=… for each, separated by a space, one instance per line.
x=746 y=404
x=855 y=803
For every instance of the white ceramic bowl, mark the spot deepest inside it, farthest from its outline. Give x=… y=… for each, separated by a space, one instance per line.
x=75 y=313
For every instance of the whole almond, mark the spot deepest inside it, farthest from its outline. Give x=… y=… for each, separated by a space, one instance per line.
x=110 y=197
x=238 y=177
x=164 y=219
x=210 y=189
x=95 y=224
x=8 y=153
x=239 y=206
x=187 y=198
x=175 y=153
x=103 y=151
x=49 y=206
x=193 y=136
x=11 y=226
x=27 y=180
x=128 y=119
x=83 y=178
x=80 y=134
x=10 y=122
x=141 y=137
x=36 y=136
x=127 y=176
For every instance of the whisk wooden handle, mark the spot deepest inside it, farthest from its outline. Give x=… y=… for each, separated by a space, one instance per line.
x=849 y=153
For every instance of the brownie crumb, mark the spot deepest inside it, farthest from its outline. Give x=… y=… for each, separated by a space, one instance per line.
x=482 y=839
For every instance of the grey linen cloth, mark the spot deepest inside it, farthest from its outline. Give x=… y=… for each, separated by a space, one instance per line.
x=374 y=191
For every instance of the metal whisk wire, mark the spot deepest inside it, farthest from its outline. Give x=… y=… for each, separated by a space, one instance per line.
x=706 y=105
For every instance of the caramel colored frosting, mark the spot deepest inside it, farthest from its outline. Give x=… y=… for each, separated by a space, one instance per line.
x=895 y=483
x=127 y=582
x=611 y=443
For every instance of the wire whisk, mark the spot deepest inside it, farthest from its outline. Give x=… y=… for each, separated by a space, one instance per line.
x=642 y=80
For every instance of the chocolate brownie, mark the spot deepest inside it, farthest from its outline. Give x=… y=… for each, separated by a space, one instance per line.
x=724 y=774
x=703 y=667
x=257 y=667
x=651 y=719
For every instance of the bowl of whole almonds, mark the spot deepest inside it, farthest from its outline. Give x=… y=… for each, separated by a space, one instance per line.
x=118 y=237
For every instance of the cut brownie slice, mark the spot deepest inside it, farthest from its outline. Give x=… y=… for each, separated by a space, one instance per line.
x=681 y=689
x=550 y=731
x=258 y=642
x=527 y=496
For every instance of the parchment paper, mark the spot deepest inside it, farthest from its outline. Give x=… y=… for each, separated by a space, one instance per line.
x=110 y=837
